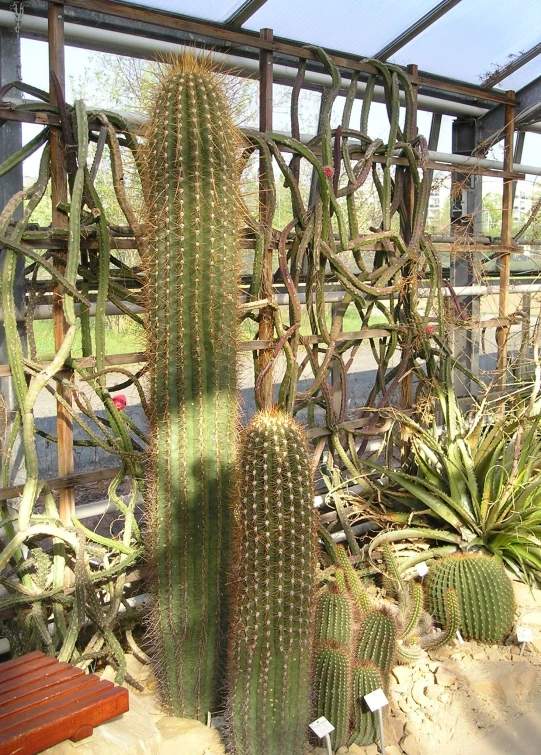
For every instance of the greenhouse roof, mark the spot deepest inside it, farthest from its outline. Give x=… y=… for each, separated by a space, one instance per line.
x=477 y=41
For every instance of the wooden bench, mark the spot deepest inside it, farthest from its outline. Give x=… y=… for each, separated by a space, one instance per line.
x=44 y=702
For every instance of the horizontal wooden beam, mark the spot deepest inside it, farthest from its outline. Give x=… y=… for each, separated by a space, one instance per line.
x=67 y=481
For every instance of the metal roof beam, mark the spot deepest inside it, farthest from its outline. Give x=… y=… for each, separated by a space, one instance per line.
x=528 y=111
x=505 y=71
x=419 y=26
x=242 y=14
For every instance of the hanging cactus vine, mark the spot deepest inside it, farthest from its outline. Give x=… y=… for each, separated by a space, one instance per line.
x=190 y=176
x=274 y=576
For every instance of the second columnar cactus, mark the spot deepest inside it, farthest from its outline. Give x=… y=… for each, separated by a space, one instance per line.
x=275 y=541
x=190 y=176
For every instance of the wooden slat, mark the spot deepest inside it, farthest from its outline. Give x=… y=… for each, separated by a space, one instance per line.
x=57 y=483
x=44 y=702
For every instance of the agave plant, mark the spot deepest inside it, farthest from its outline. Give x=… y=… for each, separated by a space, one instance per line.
x=474 y=480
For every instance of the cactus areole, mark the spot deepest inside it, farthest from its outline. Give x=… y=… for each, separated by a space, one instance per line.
x=274 y=586
x=189 y=170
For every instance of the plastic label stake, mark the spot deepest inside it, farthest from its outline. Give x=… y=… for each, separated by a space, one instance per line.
x=422 y=569
x=524 y=635
x=376 y=700
x=459 y=637
x=322 y=728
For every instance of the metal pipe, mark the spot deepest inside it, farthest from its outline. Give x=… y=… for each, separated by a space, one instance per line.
x=146 y=48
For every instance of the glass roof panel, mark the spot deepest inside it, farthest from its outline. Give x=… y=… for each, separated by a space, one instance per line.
x=355 y=26
x=209 y=10
x=474 y=38
x=523 y=75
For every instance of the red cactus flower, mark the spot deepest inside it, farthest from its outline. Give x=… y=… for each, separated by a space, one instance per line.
x=120 y=401
x=430 y=329
x=329 y=172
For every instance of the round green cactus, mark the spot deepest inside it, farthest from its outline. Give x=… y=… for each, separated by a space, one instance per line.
x=484 y=592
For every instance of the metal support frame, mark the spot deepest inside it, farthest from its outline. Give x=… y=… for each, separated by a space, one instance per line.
x=505 y=71
x=242 y=14
x=466 y=218
x=415 y=29
x=527 y=110
x=10 y=184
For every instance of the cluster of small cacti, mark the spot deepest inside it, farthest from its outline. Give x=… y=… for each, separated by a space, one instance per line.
x=275 y=542
x=190 y=175
x=484 y=593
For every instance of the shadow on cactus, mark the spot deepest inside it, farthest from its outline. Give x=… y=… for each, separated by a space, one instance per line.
x=190 y=174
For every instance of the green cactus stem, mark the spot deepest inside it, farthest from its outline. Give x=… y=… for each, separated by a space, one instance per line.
x=353 y=581
x=484 y=591
x=333 y=617
x=190 y=175
x=413 y=608
x=452 y=615
x=332 y=684
x=275 y=545
x=377 y=639
x=366 y=678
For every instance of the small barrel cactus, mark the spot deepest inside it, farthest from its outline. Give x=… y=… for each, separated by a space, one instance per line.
x=332 y=682
x=484 y=591
x=366 y=677
x=274 y=572
x=377 y=639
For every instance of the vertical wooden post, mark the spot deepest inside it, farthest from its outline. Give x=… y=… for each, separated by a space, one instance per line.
x=406 y=384
x=266 y=315
x=502 y=333
x=59 y=193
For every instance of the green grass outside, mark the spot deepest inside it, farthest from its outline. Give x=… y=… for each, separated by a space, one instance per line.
x=129 y=336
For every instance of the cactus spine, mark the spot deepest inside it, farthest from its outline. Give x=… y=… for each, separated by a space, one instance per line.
x=274 y=588
x=366 y=678
x=190 y=175
x=484 y=591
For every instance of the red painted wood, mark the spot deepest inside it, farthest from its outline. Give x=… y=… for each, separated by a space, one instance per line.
x=43 y=702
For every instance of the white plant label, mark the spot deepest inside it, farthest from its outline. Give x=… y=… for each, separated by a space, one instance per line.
x=321 y=727
x=524 y=634
x=376 y=700
x=459 y=637
x=422 y=569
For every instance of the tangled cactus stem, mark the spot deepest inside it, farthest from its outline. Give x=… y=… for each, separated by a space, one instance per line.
x=452 y=614
x=190 y=172
x=484 y=591
x=275 y=545
x=366 y=678
x=377 y=640
x=353 y=581
x=332 y=683
x=412 y=608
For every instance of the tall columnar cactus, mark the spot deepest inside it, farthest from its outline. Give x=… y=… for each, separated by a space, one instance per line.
x=332 y=683
x=377 y=640
x=274 y=588
x=366 y=678
x=484 y=591
x=190 y=173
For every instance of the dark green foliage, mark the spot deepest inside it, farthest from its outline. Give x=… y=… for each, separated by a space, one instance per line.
x=190 y=172
x=484 y=591
x=377 y=639
x=274 y=583
x=332 y=684
x=366 y=677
